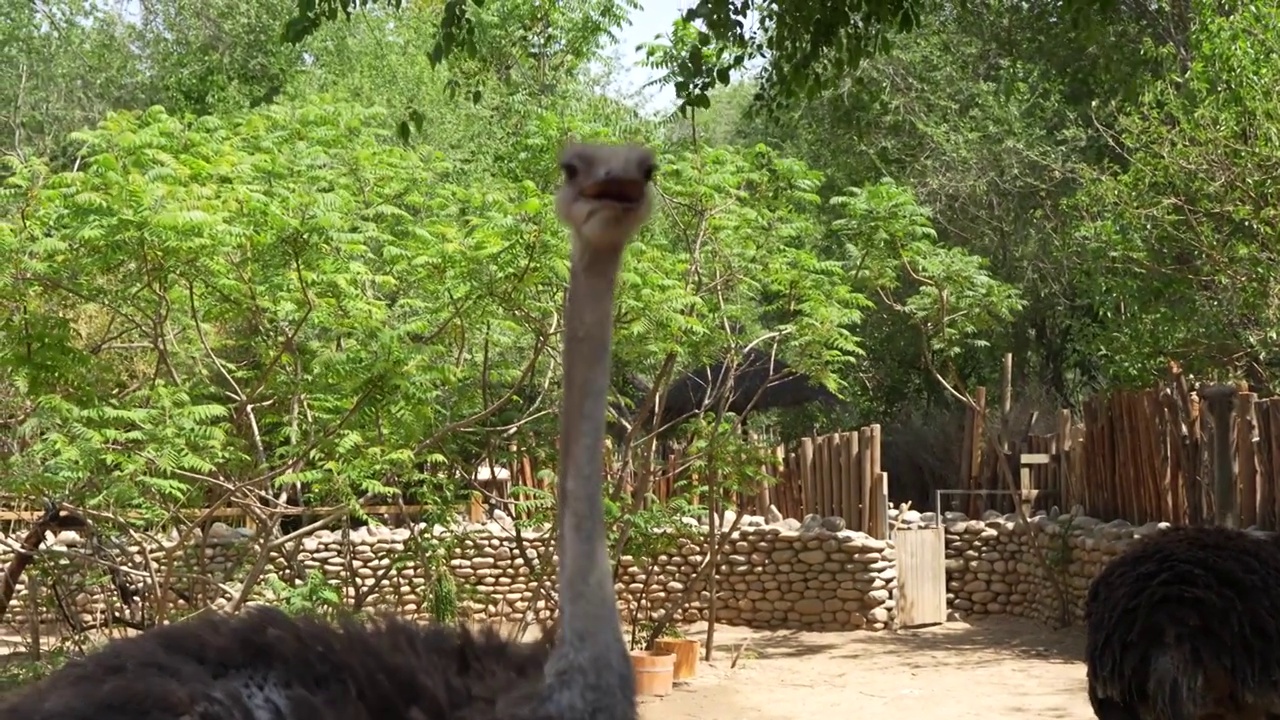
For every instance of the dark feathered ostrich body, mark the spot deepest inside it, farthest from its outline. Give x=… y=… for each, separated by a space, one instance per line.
x=264 y=665
x=1185 y=625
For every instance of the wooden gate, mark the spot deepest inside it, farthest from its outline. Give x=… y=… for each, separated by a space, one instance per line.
x=922 y=576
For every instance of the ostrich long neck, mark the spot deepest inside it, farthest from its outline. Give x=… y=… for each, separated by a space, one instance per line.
x=587 y=601
x=604 y=200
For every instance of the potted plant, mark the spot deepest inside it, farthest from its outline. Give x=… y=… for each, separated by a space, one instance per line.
x=684 y=649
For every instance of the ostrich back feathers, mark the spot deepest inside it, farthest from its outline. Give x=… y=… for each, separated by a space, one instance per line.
x=266 y=665
x=1184 y=625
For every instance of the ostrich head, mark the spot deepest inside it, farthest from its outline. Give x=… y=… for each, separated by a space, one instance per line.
x=604 y=200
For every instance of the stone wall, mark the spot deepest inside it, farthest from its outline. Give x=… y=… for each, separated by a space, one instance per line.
x=997 y=566
x=787 y=573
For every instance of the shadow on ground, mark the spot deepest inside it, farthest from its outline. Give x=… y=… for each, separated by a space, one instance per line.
x=984 y=641
x=780 y=643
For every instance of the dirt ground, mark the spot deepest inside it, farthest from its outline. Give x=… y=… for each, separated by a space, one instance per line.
x=992 y=669
x=995 y=668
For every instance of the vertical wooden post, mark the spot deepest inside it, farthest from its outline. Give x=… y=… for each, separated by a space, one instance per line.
x=1024 y=489
x=780 y=467
x=1006 y=398
x=822 y=474
x=880 y=501
x=967 y=459
x=1007 y=448
x=875 y=448
x=837 y=474
x=865 y=478
x=976 y=450
x=854 y=478
x=883 y=507
x=1273 y=442
x=795 y=498
x=33 y=615
x=1062 y=449
x=1247 y=464
x=1192 y=493
x=1226 y=508
x=1266 y=467
x=807 y=499
x=848 y=478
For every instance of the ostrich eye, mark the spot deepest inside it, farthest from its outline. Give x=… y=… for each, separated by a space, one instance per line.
x=648 y=170
x=570 y=171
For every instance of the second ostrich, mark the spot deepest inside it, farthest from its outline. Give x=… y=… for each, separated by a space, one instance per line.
x=265 y=665
x=1185 y=625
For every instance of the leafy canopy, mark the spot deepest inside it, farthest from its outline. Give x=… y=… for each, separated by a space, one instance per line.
x=804 y=42
x=289 y=295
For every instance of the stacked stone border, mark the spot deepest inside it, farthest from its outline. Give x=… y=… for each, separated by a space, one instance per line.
x=810 y=574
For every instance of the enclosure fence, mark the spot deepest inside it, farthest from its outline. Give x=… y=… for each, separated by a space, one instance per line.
x=1170 y=453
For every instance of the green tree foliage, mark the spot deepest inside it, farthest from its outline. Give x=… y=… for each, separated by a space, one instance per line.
x=1017 y=126
x=66 y=64
x=289 y=295
x=69 y=62
x=1175 y=245
x=805 y=42
x=333 y=264
x=224 y=302
x=982 y=139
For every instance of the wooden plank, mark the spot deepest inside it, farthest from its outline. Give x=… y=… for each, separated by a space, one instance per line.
x=978 y=448
x=880 y=507
x=837 y=477
x=881 y=504
x=1025 y=493
x=875 y=448
x=922 y=576
x=1130 y=442
x=1266 y=470
x=1035 y=458
x=833 y=475
x=854 y=479
x=865 y=481
x=807 y=498
x=1273 y=440
x=820 y=456
x=1143 y=494
x=1151 y=454
x=1099 y=490
x=1062 y=447
x=845 y=481
x=967 y=459
x=1173 y=457
x=1246 y=462
x=1189 y=436
x=797 y=486
x=1104 y=477
x=1092 y=501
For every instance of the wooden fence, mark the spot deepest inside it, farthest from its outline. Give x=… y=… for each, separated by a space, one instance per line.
x=1204 y=456
x=832 y=475
x=837 y=474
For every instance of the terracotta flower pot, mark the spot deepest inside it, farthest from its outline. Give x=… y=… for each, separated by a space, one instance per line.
x=653 y=671
x=686 y=652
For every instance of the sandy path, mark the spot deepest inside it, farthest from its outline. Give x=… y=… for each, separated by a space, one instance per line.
x=997 y=668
